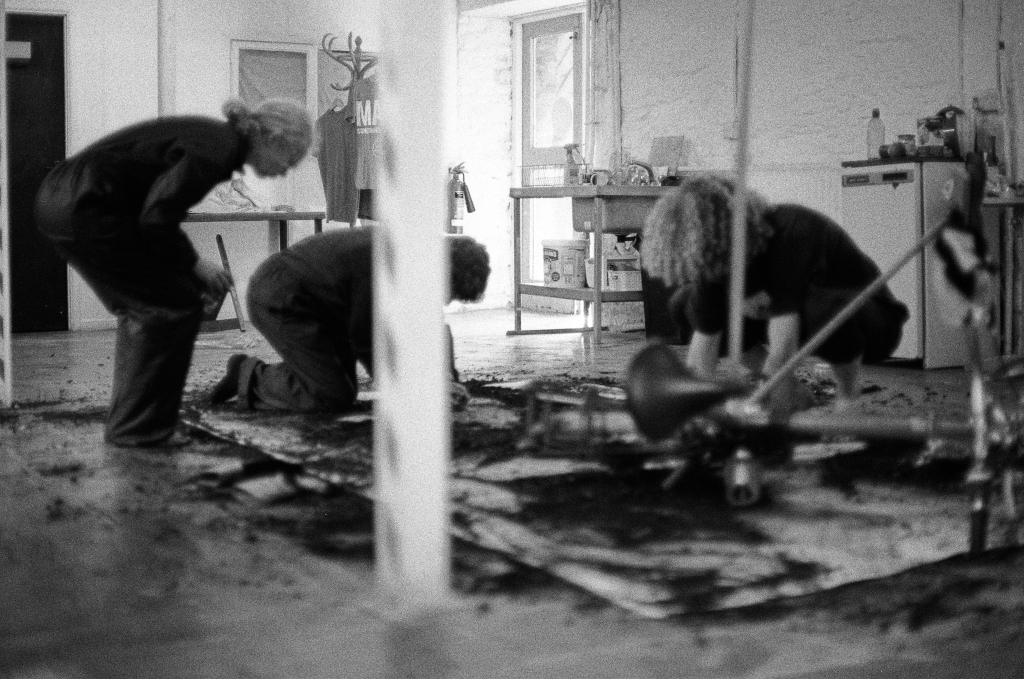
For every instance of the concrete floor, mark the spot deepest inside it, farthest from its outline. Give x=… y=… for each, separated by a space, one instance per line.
x=109 y=569
x=77 y=366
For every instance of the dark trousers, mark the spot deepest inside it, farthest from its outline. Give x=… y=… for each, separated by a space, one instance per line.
x=159 y=310
x=318 y=370
x=872 y=333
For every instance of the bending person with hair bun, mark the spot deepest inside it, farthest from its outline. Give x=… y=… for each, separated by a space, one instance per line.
x=114 y=212
x=314 y=304
x=802 y=269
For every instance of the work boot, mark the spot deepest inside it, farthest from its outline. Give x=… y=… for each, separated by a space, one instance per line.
x=174 y=440
x=227 y=388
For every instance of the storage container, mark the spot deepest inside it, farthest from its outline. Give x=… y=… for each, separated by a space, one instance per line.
x=621 y=273
x=564 y=262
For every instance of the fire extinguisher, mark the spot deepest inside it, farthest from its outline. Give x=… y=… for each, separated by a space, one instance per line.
x=459 y=200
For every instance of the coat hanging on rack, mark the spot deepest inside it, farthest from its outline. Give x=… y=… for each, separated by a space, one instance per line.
x=348 y=140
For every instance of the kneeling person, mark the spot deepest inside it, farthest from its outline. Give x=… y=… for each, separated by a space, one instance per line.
x=314 y=304
x=802 y=269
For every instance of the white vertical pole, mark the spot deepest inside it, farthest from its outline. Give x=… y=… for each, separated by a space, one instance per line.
x=167 y=57
x=6 y=367
x=412 y=416
x=737 y=279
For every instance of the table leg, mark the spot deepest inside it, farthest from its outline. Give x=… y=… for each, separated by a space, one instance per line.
x=517 y=262
x=1007 y=274
x=1013 y=223
x=318 y=226
x=600 y=207
x=282 y=234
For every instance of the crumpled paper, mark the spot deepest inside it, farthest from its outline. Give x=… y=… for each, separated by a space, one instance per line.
x=230 y=196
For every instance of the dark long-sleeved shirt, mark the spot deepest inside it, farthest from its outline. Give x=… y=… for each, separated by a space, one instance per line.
x=143 y=178
x=336 y=269
x=807 y=250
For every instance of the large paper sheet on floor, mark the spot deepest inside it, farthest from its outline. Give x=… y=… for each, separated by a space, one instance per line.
x=613 y=531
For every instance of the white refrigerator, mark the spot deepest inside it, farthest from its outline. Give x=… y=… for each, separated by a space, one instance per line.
x=887 y=207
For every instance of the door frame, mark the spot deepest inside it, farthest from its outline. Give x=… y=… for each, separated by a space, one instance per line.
x=6 y=363
x=553 y=155
x=517 y=70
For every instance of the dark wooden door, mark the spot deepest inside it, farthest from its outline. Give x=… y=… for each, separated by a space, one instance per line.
x=36 y=130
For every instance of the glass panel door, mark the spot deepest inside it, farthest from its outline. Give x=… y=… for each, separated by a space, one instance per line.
x=552 y=116
x=551 y=103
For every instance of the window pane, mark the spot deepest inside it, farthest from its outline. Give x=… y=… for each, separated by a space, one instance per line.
x=263 y=74
x=552 y=77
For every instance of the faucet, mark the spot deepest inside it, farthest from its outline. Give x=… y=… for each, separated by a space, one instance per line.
x=651 y=179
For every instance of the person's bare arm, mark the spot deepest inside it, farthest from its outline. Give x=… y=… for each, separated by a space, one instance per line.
x=702 y=354
x=783 y=342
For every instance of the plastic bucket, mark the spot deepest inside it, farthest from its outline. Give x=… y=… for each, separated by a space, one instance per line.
x=564 y=262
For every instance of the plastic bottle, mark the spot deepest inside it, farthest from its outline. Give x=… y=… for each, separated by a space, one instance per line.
x=572 y=168
x=992 y=158
x=876 y=133
x=996 y=178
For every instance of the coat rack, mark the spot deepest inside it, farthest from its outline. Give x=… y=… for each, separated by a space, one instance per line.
x=353 y=59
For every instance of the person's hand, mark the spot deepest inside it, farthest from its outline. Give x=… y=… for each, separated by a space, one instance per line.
x=459 y=396
x=211 y=304
x=788 y=396
x=216 y=279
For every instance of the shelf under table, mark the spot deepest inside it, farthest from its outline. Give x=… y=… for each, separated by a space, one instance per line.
x=588 y=295
x=584 y=294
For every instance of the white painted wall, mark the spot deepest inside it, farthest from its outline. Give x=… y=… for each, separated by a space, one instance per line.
x=819 y=69
x=197 y=79
x=111 y=62
x=817 y=75
x=483 y=140
x=129 y=60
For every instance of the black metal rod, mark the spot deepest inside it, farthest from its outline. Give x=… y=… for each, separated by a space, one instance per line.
x=231 y=288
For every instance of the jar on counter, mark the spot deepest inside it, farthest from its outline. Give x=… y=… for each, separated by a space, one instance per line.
x=909 y=142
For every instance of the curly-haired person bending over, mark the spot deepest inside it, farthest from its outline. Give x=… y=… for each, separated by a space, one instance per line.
x=802 y=269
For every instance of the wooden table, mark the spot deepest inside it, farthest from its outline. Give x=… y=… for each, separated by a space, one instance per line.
x=277 y=219
x=596 y=210
x=1010 y=250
